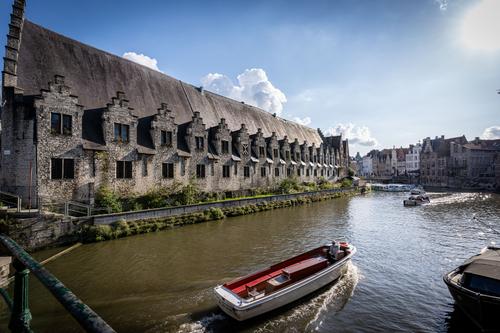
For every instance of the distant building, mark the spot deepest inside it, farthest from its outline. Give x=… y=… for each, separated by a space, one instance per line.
x=367 y=169
x=413 y=158
x=473 y=164
x=401 y=161
x=435 y=160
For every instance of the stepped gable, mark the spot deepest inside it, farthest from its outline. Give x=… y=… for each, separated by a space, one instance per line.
x=95 y=76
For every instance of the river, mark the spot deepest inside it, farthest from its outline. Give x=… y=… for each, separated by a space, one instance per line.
x=162 y=282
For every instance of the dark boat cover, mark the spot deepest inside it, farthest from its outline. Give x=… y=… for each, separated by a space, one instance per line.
x=486 y=264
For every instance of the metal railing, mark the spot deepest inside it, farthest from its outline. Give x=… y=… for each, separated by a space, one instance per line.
x=11 y=200
x=72 y=208
x=21 y=317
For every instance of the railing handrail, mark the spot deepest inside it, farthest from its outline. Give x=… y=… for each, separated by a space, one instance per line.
x=84 y=315
x=16 y=198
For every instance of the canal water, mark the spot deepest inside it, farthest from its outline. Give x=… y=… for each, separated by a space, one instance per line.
x=162 y=282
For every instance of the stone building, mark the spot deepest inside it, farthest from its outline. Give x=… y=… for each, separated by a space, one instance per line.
x=472 y=165
x=435 y=160
x=401 y=161
x=76 y=118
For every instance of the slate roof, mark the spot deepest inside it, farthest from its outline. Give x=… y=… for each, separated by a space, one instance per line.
x=441 y=146
x=95 y=76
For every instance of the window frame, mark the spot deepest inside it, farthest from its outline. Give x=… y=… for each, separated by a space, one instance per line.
x=168 y=170
x=199 y=142
x=226 y=171
x=246 y=171
x=63 y=125
x=124 y=170
x=200 y=171
x=121 y=132
x=63 y=166
x=166 y=138
x=224 y=146
x=262 y=151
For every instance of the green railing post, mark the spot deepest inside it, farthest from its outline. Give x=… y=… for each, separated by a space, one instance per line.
x=21 y=316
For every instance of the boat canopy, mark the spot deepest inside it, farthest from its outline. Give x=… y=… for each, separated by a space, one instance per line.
x=486 y=264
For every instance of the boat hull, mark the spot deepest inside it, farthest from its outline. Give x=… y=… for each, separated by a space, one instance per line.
x=482 y=309
x=241 y=310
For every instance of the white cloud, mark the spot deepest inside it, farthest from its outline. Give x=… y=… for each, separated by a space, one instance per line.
x=303 y=121
x=491 y=133
x=443 y=4
x=143 y=60
x=357 y=135
x=481 y=26
x=253 y=88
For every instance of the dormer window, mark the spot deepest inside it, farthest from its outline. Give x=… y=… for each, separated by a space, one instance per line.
x=122 y=132
x=60 y=123
x=166 y=138
x=225 y=147
x=287 y=155
x=275 y=153
x=200 y=142
x=262 y=152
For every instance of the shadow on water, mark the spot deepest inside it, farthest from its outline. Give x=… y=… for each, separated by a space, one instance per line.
x=457 y=322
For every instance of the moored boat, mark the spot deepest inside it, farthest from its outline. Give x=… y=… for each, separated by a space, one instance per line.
x=475 y=287
x=284 y=282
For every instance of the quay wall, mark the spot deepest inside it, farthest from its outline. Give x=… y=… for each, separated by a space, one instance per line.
x=159 y=213
x=50 y=230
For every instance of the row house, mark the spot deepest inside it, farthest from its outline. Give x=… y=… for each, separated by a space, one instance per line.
x=473 y=164
x=435 y=160
x=413 y=158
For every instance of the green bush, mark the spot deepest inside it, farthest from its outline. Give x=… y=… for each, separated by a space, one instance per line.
x=214 y=213
x=188 y=194
x=154 y=198
x=351 y=172
x=105 y=197
x=346 y=183
x=289 y=185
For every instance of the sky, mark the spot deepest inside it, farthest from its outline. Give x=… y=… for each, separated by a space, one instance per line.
x=384 y=73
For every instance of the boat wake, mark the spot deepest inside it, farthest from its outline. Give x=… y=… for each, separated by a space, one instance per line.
x=337 y=297
x=452 y=198
x=203 y=325
x=311 y=312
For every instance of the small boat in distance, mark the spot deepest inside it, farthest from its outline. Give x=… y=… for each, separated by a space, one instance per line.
x=417 y=200
x=284 y=282
x=475 y=286
x=417 y=191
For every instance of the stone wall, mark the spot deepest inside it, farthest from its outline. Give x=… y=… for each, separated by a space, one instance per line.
x=251 y=160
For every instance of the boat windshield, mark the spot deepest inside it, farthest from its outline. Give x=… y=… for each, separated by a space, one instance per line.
x=483 y=284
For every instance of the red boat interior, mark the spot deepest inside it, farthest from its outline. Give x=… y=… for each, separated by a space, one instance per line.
x=280 y=275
